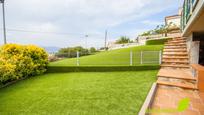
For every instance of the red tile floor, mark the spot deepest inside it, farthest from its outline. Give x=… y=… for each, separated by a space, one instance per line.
x=168 y=98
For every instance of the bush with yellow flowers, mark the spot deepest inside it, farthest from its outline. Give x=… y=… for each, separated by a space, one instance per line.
x=18 y=61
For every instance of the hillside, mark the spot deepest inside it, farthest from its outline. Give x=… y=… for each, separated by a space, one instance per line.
x=114 y=57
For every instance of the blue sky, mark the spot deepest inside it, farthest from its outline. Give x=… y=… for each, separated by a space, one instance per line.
x=64 y=23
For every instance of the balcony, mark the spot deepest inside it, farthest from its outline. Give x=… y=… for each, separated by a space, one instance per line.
x=192 y=17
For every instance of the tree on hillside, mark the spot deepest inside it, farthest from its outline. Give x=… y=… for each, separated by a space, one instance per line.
x=146 y=33
x=92 y=50
x=161 y=29
x=70 y=52
x=123 y=40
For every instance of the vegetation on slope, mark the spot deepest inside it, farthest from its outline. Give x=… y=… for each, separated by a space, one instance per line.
x=157 y=41
x=115 y=57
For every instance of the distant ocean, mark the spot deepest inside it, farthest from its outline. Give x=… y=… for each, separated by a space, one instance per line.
x=51 y=49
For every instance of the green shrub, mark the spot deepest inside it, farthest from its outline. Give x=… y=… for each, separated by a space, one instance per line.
x=157 y=41
x=18 y=61
x=123 y=40
x=64 y=69
x=71 y=52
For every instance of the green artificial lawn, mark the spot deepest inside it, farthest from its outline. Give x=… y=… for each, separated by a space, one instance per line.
x=83 y=93
x=115 y=57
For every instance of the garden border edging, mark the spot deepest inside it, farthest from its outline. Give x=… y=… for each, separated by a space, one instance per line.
x=149 y=100
x=64 y=69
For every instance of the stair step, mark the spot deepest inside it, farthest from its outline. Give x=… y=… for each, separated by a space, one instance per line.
x=175 y=57
x=175 y=61
x=175 y=44
x=175 y=65
x=167 y=43
x=176 y=74
x=175 y=53
x=179 y=61
x=176 y=41
x=177 y=84
x=175 y=47
x=175 y=50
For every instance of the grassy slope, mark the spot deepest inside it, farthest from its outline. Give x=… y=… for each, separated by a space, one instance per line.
x=115 y=57
x=113 y=93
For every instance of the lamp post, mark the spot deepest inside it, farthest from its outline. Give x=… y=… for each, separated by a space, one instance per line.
x=4 y=22
x=105 y=45
x=86 y=37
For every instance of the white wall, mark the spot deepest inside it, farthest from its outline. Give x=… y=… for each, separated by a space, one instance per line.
x=193 y=49
x=176 y=21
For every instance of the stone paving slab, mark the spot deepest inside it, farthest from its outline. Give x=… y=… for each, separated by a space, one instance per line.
x=169 y=97
x=173 y=73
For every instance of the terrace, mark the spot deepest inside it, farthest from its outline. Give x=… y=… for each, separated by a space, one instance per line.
x=113 y=82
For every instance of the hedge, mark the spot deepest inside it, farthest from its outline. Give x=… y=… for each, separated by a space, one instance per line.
x=19 y=61
x=64 y=69
x=157 y=41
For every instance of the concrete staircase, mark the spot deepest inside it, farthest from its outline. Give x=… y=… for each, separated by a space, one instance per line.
x=175 y=68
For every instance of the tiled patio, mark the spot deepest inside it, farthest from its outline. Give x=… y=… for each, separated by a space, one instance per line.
x=168 y=98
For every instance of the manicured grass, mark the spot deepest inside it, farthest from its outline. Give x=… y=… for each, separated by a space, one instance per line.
x=115 y=57
x=83 y=93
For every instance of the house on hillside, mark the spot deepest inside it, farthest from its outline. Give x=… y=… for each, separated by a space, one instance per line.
x=174 y=29
x=113 y=45
x=192 y=24
x=174 y=21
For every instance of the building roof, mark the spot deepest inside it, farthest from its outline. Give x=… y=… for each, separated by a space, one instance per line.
x=173 y=17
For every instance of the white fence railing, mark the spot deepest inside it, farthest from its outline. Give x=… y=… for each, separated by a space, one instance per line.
x=131 y=58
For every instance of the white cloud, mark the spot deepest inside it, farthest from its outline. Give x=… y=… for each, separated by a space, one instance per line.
x=152 y=22
x=77 y=16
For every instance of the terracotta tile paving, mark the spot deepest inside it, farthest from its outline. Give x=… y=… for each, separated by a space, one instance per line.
x=174 y=79
x=176 y=73
x=168 y=98
x=202 y=95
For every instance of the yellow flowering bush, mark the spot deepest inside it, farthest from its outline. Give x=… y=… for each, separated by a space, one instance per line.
x=7 y=70
x=17 y=61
